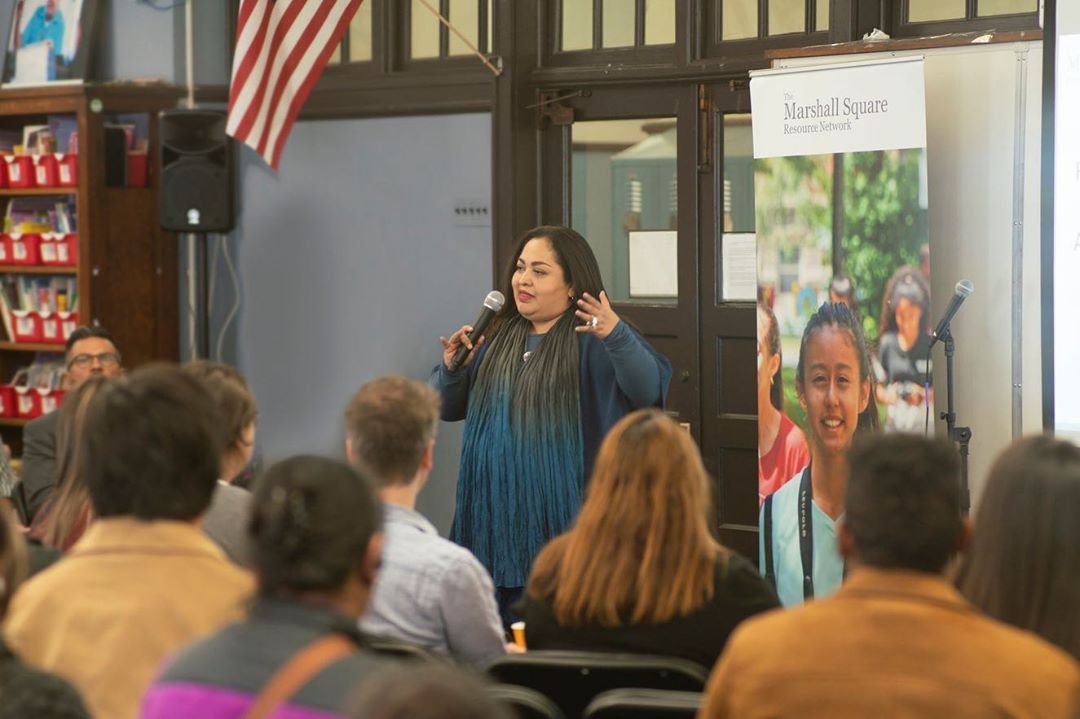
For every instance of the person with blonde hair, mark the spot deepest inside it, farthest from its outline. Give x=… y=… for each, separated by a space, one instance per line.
x=640 y=571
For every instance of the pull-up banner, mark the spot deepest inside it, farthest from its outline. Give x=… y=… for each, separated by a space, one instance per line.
x=843 y=273
x=852 y=108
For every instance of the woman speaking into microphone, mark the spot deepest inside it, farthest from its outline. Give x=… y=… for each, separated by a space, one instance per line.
x=555 y=371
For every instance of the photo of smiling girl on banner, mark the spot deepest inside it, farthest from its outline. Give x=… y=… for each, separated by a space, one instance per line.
x=843 y=294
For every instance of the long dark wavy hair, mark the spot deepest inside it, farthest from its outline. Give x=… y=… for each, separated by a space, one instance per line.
x=772 y=341
x=555 y=361
x=523 y=446
x=1023 y=566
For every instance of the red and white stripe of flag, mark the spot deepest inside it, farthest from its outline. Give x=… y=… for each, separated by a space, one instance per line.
x=282 y=47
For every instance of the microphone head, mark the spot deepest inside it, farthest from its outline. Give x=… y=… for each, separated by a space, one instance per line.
x=494 y=301
x=964 y=288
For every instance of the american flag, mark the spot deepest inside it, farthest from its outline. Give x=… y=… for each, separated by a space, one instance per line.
x=282 y=47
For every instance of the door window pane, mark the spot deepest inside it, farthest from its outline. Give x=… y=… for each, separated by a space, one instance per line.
x=490 y=47
x=787 y=16
x=736 y=267
x=927 y=10
x=619 y=22
x=1006 y=7
x=465 y=16
x=739 y=20
x=360 y=34
x=577 y=24
x=425 y=32
x=659 y=22
x=821 y=20
x=625 y=202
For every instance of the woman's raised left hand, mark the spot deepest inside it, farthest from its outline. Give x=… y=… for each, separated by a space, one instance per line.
x=597 y=315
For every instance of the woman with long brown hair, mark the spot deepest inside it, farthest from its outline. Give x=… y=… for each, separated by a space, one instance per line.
x=67 y=514
x=640 y=571
x=1023 y=565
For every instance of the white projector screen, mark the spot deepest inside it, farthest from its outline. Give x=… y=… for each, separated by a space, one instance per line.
x=1065 y=407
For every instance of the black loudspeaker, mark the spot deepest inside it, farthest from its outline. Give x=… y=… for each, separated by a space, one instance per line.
x=197 y=193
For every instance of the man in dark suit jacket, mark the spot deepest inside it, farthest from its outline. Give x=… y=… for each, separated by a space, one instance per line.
x=89 y=351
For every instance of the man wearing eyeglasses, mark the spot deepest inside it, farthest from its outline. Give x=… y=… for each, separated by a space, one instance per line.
x=89 y=351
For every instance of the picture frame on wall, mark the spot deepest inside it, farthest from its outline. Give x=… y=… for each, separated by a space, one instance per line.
x=49 y=41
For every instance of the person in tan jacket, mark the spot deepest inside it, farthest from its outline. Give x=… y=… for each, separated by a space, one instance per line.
x=144 y=580
x=896 y=640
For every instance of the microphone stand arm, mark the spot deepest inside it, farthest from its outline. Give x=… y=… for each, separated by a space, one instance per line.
x=960 y=435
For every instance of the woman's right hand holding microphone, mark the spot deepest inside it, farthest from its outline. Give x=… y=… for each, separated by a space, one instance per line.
x=456 y=340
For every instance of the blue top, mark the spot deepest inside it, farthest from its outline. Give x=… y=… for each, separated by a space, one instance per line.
x=617 y=375
x=40 y=28
x=433 y=593
x=828 y=570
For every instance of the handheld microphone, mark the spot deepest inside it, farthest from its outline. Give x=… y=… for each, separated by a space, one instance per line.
x=492 y=304
x=963 y=289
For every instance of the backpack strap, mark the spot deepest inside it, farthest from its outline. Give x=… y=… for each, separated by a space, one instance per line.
x=312 y=659
x=769 y=568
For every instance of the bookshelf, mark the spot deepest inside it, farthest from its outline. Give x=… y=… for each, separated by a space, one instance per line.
x=126 y=267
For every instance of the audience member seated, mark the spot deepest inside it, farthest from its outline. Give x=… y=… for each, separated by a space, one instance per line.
x=426 y=692
x=144 y=580
x=640 y=571
x=89 y=351
x=1023 y=567
x=316 y=541
x=8 y=479
x=66 y=514
x=431 y=591
x=896 y=639
x=226 y=520
x=24 y=692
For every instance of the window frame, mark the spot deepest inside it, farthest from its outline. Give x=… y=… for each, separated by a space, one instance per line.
x=902 y=28
x=714 y=46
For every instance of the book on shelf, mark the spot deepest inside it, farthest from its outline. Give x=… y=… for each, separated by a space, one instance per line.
x=40 y=214
x=38 y=140
x=65 y=128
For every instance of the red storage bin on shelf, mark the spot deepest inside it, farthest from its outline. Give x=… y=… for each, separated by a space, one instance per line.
x=26 y=326
x=27 y=402
x=59 y=249
x=136 y=169
x=7 y=401
x=25 y=248
x=69 y=322
x=20 y=171
x=67 y=169
x=45 y=171
x=51 y=328
x=3 y=173
x=5 y=249
x=50 y=399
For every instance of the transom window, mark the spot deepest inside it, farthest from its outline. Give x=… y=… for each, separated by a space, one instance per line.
x=933 y=10
x=605 y=24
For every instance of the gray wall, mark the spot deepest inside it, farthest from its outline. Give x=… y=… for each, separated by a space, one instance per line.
x=351 y=267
